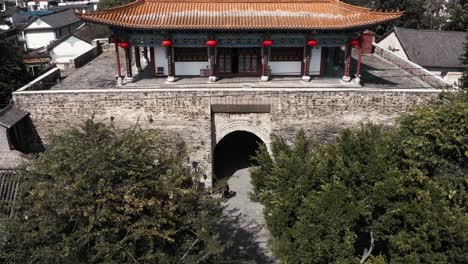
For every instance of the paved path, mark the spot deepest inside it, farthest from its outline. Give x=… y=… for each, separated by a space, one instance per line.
x=244 y=223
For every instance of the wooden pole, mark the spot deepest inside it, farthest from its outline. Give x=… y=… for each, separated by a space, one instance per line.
x=128 y=62
x=265 y=61
x=117 y=58
x=211 y=63
x=347 y=62
x=137 y=59
x=358 y=67
x=152 y=62
x=307 y=58
x=170 y=65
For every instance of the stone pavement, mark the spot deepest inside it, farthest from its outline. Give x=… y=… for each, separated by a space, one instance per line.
x=244 y=223
x=377 y=73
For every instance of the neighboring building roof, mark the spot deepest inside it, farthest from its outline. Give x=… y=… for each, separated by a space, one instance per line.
x=10 y=116
x=11 y=10
x=59 y=19
x=90 y=32
x=432 y=48
x=239 y=14
x=87 y=33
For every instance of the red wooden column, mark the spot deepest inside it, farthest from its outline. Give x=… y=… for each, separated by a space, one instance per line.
x=128 y=62
x=117 y=61
x=212 y=64
x=357 y=80
x=347 y=63
x=265 y=59
x=137 y=59
x=211 y=48
x=307 y=59
x=152 y=62
x=310 y=44
x=170 y=64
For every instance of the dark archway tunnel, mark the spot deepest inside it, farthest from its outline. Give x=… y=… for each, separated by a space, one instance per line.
x=234 y=152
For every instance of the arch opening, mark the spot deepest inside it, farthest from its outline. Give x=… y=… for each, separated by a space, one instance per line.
x=234 y=152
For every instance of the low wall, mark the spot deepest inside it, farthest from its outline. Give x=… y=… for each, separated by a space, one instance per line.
x=412 y=68
x=84 y=58
x=44 y=81
x=188 y=112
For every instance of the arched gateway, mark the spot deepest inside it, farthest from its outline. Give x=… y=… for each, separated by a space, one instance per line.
x=233 y=152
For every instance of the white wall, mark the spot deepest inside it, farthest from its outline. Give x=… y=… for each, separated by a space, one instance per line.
x=69 y=49
x=294 y=67
x=44 y=5
x=450 y=77
x=285 y=67
x=190 y=67
x=161 y=60
x=36 y=40
x=315 y=61
x=391 y=43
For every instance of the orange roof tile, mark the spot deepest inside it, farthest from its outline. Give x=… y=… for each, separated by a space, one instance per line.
x=239 y=14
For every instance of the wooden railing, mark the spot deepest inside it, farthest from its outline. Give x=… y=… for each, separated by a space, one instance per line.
x=9 y=186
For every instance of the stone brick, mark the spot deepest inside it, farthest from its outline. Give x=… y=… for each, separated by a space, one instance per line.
x=187 y=113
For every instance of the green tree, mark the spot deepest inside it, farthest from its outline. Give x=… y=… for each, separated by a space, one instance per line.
x=464 y=60
x=106 y=4
x=101 y=195
x=404 y=189
x=13 y=73
x=457 y=16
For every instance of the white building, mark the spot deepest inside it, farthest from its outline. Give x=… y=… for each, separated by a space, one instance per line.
x=79 y=47
x=45 y=29
x=435 y=50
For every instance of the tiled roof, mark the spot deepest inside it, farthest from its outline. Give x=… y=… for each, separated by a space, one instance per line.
x=90 y=32
x=433 y=48
x=60 y=19
x=239 y=14
x=10 y=116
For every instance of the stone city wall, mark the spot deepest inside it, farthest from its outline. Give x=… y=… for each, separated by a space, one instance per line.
x=188 y=113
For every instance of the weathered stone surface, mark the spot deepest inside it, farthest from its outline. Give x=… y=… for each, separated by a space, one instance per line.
x=187 y=113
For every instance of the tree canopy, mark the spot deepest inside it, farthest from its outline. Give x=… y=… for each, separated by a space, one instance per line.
x=400 y=194
x=13 y=73
x=464 y=60
x=106 y=4
x=422 y=14
x=102 y=195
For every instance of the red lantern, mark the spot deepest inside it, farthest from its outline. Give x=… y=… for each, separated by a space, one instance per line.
x=211 y=43
x=167 y=43
x=354 y=42
x=267 y=43
x=124 y=44
x=311 y=43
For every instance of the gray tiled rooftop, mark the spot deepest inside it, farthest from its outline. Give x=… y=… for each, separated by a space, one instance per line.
x=100 y=74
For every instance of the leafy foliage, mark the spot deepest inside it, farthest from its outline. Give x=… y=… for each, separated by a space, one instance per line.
x=458 y=17
x=407 y=186
x=422 y=14
x=464 y=60
x=100 y=195
x=13 y=73
x=106 y=4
